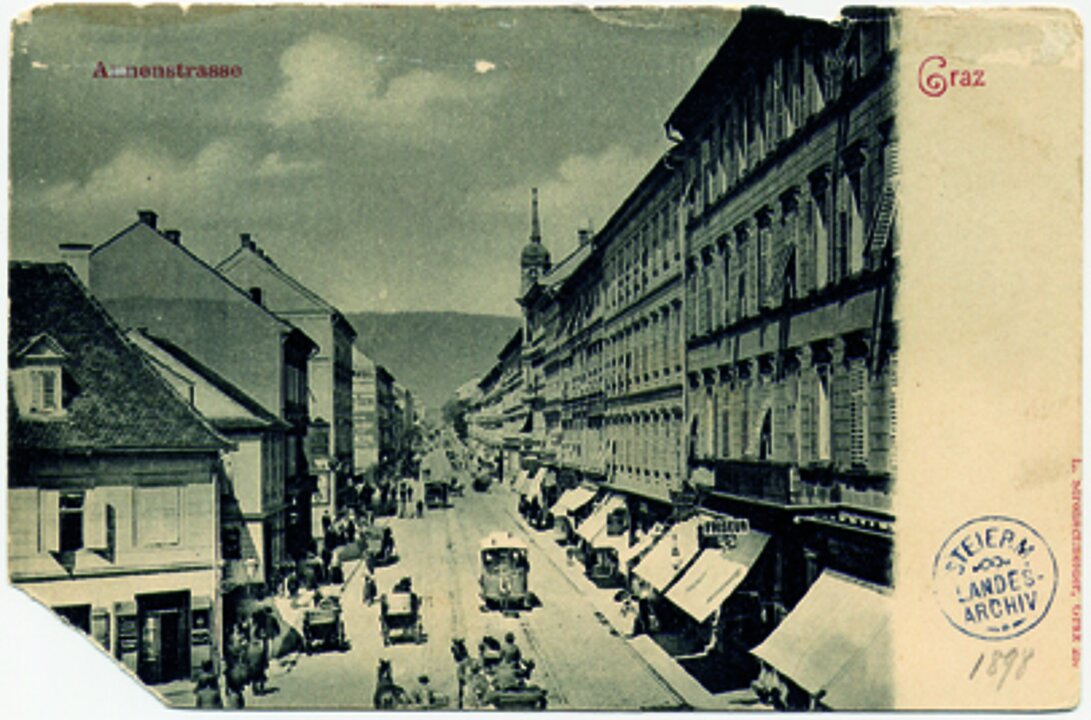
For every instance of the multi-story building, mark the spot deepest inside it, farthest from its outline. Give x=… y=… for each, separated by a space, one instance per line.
x=148 y=279
x=375 y=418
x=404 y=427
x=789 y=153
x=252 y=488
x=329 y=445
x=112 y=483
x=641 y=256
x=736 y=318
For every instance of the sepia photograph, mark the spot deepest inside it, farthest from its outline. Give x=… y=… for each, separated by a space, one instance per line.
x=513 y=358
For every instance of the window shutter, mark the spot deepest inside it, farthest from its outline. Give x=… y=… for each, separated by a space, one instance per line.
x=51 y=521
x=94 y=527
x=807 y=449
x=23 y=521
x=858 y=448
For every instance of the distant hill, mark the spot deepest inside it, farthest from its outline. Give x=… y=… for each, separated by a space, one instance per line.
x=432 y=353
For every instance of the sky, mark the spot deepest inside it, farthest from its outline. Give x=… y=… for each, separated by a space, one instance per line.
x=384 y=157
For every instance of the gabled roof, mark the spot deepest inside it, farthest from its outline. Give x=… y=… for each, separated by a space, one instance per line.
x=40 y=345
x=241 y=254
x=113 y=399
x=143 y=227
x=259 y=417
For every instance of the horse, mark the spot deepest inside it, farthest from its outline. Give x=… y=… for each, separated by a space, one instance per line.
x=388 y=694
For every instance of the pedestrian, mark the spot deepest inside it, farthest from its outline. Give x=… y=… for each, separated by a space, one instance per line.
x=422 y=695
x=420 y=508
x=235 y=678
x=510 y=652
x=207 y=689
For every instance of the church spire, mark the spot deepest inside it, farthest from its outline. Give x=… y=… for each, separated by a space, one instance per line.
x=535 y=227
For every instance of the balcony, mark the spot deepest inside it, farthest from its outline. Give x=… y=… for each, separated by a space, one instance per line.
x=787 y=484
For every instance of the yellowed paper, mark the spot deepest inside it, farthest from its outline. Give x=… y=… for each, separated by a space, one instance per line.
x=779 y=407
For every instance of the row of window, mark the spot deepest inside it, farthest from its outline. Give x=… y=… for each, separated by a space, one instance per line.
x=829 y=412
x=645 y=352
x=76 y=519
x=652 y=249
x=773 y=107
x=810 y=237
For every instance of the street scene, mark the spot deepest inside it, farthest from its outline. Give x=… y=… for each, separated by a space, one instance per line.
x=525 y=360
x=579 y=659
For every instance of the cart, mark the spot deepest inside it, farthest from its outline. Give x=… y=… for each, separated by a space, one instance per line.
x=323 y=626
x=480 y=685
x=377 y=544
x=399 y=617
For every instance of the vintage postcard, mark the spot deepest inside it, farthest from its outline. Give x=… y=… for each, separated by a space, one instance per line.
x=553 y=358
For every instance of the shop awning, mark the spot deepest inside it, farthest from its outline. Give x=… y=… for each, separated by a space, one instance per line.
x=645 y=543
x=617 y=543
x=596 y=521
x=671 y=554
x=715 y=575
x=836 y=642
x=572 y=500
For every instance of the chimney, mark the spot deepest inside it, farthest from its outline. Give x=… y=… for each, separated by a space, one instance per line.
x=78 y=257
x=255 y=295
x=175 y=236
x=148 y=217
x=584 y=235
x=245 y=241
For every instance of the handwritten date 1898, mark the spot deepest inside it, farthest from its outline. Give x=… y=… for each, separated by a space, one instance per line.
x=1001 y=663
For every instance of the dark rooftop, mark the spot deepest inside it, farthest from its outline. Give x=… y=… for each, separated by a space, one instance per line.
x=113 y=399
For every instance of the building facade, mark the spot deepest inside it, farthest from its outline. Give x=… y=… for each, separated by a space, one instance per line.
x=252 y=503
x=112 y=483
x=789 y=162
x=376 y=419
x=329 y=445
x=148 y=279
x=728 y=343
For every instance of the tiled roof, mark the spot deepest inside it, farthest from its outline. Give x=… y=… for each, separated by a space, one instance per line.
x=113 y=399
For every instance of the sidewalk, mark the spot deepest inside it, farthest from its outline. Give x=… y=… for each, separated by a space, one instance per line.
x=692 y=693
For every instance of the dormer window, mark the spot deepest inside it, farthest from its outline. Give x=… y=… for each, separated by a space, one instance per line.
x=37 y=377
x=45 y=394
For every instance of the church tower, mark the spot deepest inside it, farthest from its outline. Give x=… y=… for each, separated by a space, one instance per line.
x=534 y=261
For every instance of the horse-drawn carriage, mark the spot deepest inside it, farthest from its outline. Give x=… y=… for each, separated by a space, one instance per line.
x=399 y=614
x=391 y=696
x=323 y=626
x=488 y=681
x=377 y=545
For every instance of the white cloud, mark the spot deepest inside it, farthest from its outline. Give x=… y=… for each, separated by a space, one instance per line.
x=328 y=77
x=146 y=176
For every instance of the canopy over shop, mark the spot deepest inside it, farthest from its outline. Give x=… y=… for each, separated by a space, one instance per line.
x=835 y=645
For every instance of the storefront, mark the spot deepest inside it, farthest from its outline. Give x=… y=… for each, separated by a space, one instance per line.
x=571 y=507
x=602 y=535
x=833 y=649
